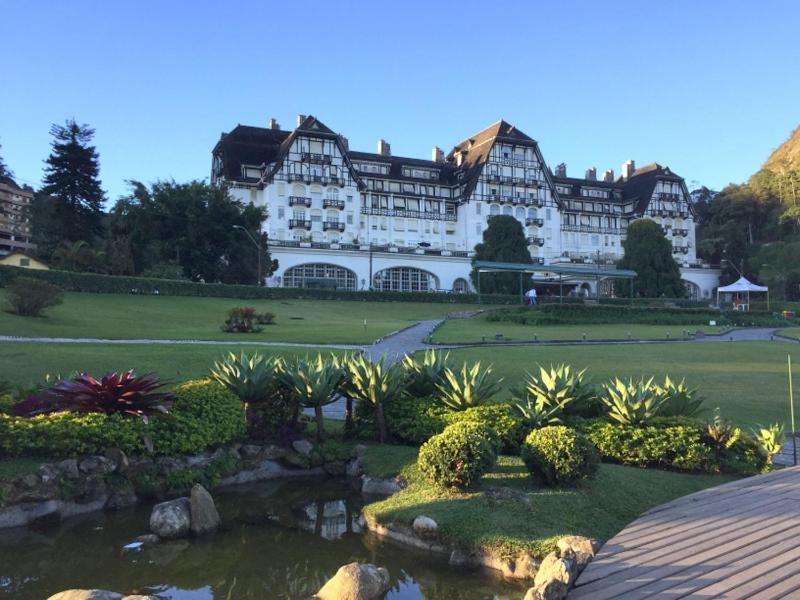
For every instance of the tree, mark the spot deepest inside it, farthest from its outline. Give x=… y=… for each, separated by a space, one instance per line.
x=649 y=253
x=503 y=241
x=190 y=225
x=71 y=199
x=4 y=170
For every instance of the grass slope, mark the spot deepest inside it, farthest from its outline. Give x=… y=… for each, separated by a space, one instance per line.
x=509 y=522
x=747 y=380
x=112 y=316
x=793 y=332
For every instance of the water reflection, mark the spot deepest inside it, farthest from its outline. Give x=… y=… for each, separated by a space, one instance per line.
x=279 y=540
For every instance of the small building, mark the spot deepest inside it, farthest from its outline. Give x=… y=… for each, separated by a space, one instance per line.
x=20 y=259
x=15 y=217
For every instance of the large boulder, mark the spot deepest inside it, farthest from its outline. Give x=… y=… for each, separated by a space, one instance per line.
x=424 y=526
x=581 y=549
x=96 y=595
x=204 y=515
x=549 y=590
x=302 y=447
x=356 y=582
x=554 y=568
x=172 y=519
x=374 y=486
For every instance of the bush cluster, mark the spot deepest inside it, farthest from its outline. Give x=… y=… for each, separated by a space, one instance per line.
x=557 y=314
x=459 y=456
x=29 y=297
x=558 y=455
x=203 y=415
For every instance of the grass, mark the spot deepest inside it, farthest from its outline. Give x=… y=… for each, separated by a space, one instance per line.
x=20 y=465
x=478 y=328
x=793 y=332
x=746 y=380
x=26 y=363
x=509 y=513
x=111 y=316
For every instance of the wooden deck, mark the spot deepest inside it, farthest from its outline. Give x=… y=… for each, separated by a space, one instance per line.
x=738 y=540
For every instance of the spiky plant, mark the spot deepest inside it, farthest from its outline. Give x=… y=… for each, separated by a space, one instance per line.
x=679 y=399
x=470 y=386
x=425 y=372
x=375 y=383
x=631 y=402
x=769 y=439
x=535 y=414
x=314 y=383
x=559 y=389
x=722 y=433
x=255 y=379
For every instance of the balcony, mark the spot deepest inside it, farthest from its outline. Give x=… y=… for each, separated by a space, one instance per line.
x=534 y=222
x=300 y=201
x=409 y=214
x=680 y=232
x=299 y=224
x=333 y=225
x=333 y=203
x=537 y=260
x=310 y=157
x=680 y=249
x=669 y=197
x=535 y=241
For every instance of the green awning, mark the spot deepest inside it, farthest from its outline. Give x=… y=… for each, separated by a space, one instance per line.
x=595 y=271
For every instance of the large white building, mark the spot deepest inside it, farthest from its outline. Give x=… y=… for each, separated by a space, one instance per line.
x=347 y=218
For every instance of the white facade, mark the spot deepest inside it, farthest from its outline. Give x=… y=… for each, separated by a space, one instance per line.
x=354 y=219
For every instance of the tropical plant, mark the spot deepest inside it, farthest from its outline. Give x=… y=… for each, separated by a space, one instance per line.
x=314 y=383
x=679 y=400
x=255 y=379
x=557 y=390
x=29 y=297
x=722 y=433
x=470 y=386
x=265 y=318
x=631 y=402
x=126 y=394
x=425 y=373
x=374 y=383
x=769 y=439
x=535 y=414
x=459 y=456
x=242 y=319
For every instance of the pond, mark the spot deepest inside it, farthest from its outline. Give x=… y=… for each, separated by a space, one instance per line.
x=279 y=540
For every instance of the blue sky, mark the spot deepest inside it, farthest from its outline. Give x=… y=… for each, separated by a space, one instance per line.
x=709 y=88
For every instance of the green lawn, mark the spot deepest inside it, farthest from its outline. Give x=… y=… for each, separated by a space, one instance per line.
x=747 y=380
x=26 y=363
x=478 y=329
x=111 y=316
x=532 y=518
x=793 y=332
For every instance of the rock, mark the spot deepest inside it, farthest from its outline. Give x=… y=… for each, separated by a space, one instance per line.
x=355 y=467
x=462 y=559
x=96 y=465
x=171 y=519
x=48 y=474
x=198 y=460
x=86 y=595
x=424 y=526
x=302 y=447
x=168 y=465
x=356 y=582
x=118 y=458
x=122 y=498
x=582 y=549
x=551 y=590
x=204 y=515
x=373 y=486
x=272 y=452
x=334 y=468
x=249 y=451
x=359 y=451
x=69 y=468
x=526 y=567
x=148 y=539
x=554 y=568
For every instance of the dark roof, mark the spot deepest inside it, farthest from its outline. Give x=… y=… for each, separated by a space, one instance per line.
x=640 y=185
x=246 y=145
x=396 y=164
x=9 y=182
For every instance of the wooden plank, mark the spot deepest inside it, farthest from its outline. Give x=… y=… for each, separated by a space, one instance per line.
x=751 y=580
x=787 y=588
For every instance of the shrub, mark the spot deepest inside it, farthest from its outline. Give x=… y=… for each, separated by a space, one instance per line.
x=631 y=403
x=499 y=418
x=459 y=456
x=558 y=455
x=559 y=390
x=29 y=297
x=203 y=415
x=769 y=439
x=241 y=319
x=265 y=318
x=408 y=420
x=679 y=400
x=471 y=386
x=426 y=373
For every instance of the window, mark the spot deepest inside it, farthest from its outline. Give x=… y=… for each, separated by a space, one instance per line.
x=460 y=286
x=320 y=275
x=332 y=193
x=494 y=209
x=404 y=279
x=350 y=218
x=281 y=212
x=24 y=262
x=349 y=198
x=477 y=208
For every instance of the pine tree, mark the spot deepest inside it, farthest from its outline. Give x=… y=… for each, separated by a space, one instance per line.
x=649 y=253
x=503 y=241
x=4 y=170
x=72 y=185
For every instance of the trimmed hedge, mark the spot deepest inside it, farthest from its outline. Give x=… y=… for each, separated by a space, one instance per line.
x=115 y=284
x=459 y=456
x=203 y=415
x=579 y=314
x=558 y=455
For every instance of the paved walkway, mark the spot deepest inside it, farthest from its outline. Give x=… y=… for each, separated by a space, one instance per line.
x=738 y=540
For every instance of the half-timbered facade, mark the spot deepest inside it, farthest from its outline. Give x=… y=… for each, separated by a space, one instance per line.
x=358 y=219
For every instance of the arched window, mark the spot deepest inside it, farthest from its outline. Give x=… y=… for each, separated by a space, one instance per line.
x=332 y=193
x=320 y=275
x=520 y=213
x=507 y=210
x=460 y=286
x=693 y=289
x=404 y=279
x=531 y=213
x=298 y=190
x=494 y=209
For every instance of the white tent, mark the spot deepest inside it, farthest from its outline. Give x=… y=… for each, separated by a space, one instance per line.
x=742 y=288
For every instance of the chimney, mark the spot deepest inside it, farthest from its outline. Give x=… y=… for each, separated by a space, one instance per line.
x=345 y=142
x=628 y=169
x=437 y=154
x=273 y=124
x=609 y=175
x=384 y=149
x=300 y=119
x=561 y=170
x=591 y=174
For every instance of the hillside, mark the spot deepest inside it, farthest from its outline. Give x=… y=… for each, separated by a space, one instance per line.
x=787 y=156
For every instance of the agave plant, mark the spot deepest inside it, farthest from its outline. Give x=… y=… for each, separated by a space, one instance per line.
x=115 y=393
x=769 y=439
x=535 y=414
x=375 y=383
x=254 y=379
x=557 y=390
x=470 y=386
x=722 y=433
x=425 y=373
x=313 y=383
x=679 y=400
x=631 y=402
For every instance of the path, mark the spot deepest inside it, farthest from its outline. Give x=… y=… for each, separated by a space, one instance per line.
x=738 y=540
